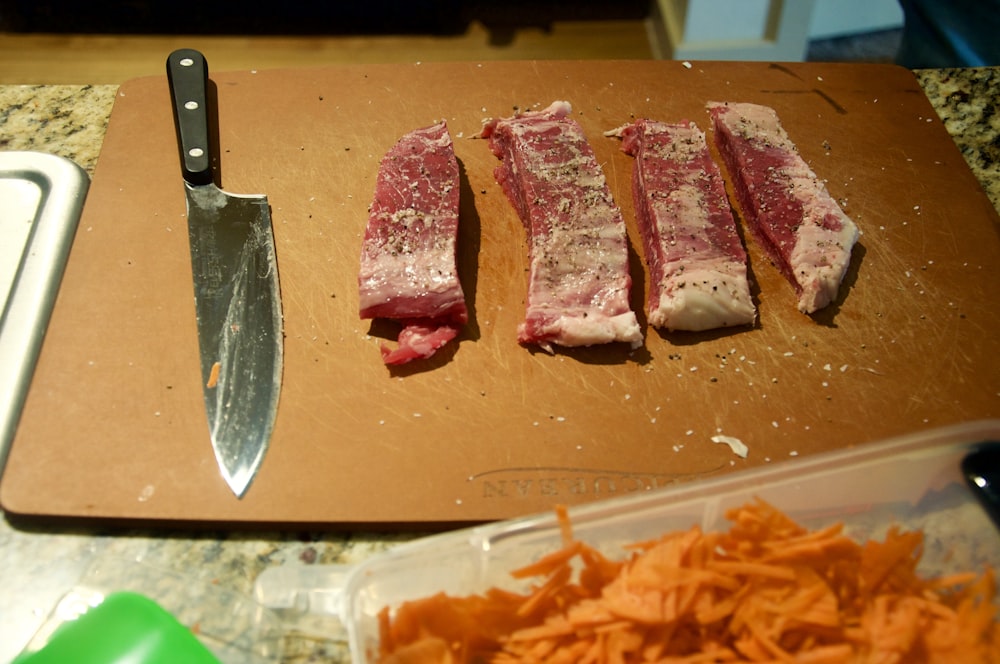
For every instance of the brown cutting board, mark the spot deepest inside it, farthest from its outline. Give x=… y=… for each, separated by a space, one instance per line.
x=114 y=426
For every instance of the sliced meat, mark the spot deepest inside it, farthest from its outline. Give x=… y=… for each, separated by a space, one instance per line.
x=408 y=267
x=787 y=208
x=578 y=281
x=696 y=260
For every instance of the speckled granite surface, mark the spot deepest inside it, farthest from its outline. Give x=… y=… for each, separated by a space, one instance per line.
x=38 y=565
x=968 y=102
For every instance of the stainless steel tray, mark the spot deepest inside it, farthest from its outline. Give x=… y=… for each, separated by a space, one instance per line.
x=41 y=197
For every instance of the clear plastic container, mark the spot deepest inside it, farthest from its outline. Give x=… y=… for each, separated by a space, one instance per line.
x=915 y=481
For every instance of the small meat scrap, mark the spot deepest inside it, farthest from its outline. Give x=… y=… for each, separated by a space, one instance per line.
x=408 y=265
x=696 y=260
x=578 y=280
x=788 y=209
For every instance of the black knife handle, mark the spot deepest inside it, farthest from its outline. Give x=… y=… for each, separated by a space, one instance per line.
x=187 y=73
x=981 y=467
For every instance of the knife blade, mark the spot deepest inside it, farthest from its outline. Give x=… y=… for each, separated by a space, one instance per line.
x=237 y=297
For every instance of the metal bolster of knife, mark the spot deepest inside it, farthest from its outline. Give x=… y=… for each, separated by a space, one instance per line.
x=187 y=70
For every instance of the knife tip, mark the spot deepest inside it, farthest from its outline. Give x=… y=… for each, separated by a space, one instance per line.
x=239 y=482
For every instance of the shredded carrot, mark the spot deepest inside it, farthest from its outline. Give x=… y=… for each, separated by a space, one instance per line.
x=767 y=590
x=213 y=375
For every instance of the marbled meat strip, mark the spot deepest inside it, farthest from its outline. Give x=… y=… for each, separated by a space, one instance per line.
x=578 y=280
x=788 y=209
x=696 y=260
x=408 y=256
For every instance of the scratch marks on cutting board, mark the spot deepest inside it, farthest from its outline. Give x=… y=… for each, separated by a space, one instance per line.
x=816 y=91
x=833 y=103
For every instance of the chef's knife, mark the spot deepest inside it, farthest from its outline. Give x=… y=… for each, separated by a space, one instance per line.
x=237 y=300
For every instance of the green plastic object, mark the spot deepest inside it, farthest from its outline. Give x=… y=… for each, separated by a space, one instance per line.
x=126 y=628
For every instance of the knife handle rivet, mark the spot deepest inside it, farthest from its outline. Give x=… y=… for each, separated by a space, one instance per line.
x=196 y=152
x=185 y=62
x=191 y=105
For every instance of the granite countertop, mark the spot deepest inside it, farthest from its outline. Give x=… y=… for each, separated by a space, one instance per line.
x=39 y=564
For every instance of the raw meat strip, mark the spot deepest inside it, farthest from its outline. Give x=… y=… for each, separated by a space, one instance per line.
x=578 y=281
x=408 y=269
x=788 y=209
x=697 y=263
